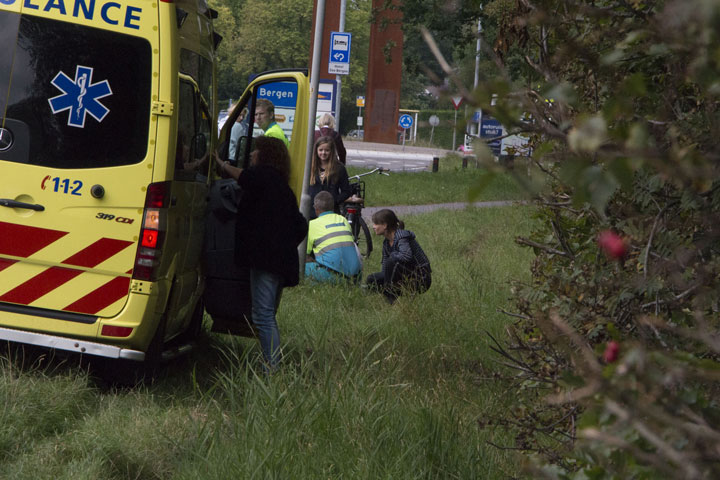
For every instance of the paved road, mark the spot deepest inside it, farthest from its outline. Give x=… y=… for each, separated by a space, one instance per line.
x=394 y=157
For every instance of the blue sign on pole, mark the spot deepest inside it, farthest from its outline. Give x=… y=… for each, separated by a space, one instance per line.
x=405 y=121
x=327 y=91
x=491 y=128
x=281 y=94
x=339 y=53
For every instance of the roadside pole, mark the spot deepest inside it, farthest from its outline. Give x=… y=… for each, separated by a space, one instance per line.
x=338 y=78
x=475 y=127
x=415 y=124
x=456 y=103
x=312 y=111
x=455 y=130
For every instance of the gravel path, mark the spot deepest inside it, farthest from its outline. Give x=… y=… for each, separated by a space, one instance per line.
x=402 y=210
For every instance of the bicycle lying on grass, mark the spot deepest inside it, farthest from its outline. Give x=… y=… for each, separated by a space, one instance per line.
x=352 y=210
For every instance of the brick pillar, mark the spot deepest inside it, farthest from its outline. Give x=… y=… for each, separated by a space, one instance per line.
x=382 y=98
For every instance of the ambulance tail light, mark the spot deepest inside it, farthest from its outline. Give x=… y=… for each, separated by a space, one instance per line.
x=158 y=195
x=152 y=233
x=113 y=331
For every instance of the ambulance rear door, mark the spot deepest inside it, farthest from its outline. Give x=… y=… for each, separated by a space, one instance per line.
x=227 y=293
x=74 y=161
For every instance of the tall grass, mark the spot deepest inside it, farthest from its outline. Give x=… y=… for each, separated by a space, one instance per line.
x=367 y=390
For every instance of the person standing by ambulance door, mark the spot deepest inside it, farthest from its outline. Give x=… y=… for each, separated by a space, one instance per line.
x=265 y=118
x=269 y=228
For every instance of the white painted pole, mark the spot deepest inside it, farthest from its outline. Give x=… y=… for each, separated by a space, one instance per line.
x=414 y=135
x=455 y=129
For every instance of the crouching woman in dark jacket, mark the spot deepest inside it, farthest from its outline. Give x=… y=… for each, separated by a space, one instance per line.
x=269 y=228
x=405 y=267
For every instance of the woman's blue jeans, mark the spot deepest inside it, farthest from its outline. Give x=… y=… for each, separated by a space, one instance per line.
x=266 y=289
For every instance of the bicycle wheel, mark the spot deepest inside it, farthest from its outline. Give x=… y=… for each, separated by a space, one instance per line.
x=363 y=238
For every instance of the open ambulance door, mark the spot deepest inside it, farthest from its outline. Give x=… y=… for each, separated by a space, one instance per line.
x=227 y=289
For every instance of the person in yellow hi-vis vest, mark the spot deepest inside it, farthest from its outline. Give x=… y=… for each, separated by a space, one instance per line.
x=265 y=118
x=332 y=253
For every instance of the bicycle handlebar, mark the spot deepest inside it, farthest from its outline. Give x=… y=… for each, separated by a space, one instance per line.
x=380 y=170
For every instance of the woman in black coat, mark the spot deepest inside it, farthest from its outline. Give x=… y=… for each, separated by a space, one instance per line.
x=269 y=228
x=405 y=267
x=328 y=174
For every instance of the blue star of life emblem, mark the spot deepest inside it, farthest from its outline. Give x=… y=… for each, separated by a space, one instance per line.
x=80 y=96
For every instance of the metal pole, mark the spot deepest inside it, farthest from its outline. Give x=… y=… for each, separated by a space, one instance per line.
x=455 y=129
x=476 y=126
x=338 y=78
x=312 y=111
x=414 y=136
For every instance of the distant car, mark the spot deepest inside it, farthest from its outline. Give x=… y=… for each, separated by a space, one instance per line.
x=359 y=134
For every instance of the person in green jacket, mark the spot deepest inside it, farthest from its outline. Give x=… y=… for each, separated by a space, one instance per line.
x=265 y=118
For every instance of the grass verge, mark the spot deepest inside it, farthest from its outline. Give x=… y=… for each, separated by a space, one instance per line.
x=367 y=390
x=451 y=183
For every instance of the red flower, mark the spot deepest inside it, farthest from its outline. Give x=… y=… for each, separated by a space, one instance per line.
x=612 y=244
x=611 y=351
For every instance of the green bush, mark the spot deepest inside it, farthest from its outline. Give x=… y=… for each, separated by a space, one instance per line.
x=615 y=348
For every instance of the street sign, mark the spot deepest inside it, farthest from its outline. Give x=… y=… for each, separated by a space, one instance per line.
x=434 y=121
x=360 y=101
x=339 y=53
x=405 y=121
x=326 y=97
x=491 y=128
x=283 y=95
x=456 y=102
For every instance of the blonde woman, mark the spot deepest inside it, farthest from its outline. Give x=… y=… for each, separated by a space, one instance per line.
x=328 y=174
x=326 y=128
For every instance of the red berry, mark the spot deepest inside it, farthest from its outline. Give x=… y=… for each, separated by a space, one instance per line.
x=611 y=351
x=612 y=244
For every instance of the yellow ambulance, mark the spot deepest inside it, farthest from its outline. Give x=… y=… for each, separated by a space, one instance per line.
x=107 y=122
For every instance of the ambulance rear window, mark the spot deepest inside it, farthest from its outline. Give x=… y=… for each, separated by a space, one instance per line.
x=80 y=95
